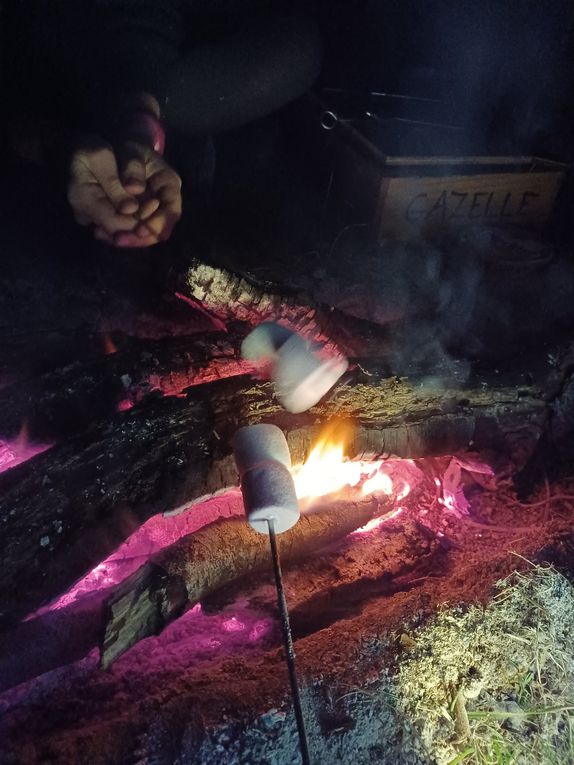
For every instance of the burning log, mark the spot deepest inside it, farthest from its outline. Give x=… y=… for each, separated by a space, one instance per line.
x=65 y=510
x=390 y=294
x=233 y=296
x=70 y=399
x=200 y=563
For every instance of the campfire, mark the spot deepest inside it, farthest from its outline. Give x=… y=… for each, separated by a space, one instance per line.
x=327 y=484
x=427 y=574
x=150 y=578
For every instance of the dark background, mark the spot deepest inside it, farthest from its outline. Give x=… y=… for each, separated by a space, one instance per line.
x=504 y=69
x=501 y=72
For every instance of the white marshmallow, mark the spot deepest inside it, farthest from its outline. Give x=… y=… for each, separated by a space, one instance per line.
x=302 y=377
x=263 y=460
x=269 y=494
x=262 y=343
x=256 y=444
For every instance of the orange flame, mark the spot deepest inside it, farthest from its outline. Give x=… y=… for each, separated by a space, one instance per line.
x=109 y=345
x=23 y=438
x=327 y=470
x=378 y=482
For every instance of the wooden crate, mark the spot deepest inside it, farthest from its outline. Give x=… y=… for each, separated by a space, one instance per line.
x=494 y=191
x=414 y=198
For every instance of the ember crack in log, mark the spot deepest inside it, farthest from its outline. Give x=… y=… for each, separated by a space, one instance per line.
x=204 y=561
x=65 y=510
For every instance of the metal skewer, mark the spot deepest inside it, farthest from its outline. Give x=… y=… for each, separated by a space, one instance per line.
x=288 y=643
x=381 y=94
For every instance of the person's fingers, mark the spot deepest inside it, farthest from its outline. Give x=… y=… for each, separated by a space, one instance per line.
x=134 y=176
x=147 y=208
x=104 y=215
x=91 y=206
x=103 y=191
x=133 y=162
x=165 y=179
x=160 y=224
x=167 y=186
x=104 y=167
x=132 y=240
x=128 y=207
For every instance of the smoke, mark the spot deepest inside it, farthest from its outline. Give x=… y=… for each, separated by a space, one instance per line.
x=485 y=296
x=424 y=298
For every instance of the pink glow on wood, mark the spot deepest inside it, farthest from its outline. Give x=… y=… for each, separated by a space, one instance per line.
x=196 y=305
x=13 y=453
x=157 y=533
x=376 y=522
x=161 y=531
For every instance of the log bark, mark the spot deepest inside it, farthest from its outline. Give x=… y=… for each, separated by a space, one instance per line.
x=228 y=295
x=65 y=510
x=393 y=282
x=202 y=562
x=70 y=399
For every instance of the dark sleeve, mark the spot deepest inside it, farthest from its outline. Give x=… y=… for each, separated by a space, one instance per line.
x=138 y=42
x=75 y=61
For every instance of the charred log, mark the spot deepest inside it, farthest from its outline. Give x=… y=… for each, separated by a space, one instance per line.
x=65 y=510
x=71 y=398
x=228 y=295
x=202 y=562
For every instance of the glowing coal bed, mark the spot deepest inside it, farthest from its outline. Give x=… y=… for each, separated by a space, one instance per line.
x=220 y=662
x=237 y=623
x=325 y=474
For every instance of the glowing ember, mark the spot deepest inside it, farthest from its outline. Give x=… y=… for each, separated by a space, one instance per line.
x=12 y=453
x=7 y=456
x=376 y=522
x=109 y=345
x=196 y=305
x=260 y=629
x=379 y=482
x=453 y=497
x=233 y=625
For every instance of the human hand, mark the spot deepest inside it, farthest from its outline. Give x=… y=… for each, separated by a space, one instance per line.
x=132 y=198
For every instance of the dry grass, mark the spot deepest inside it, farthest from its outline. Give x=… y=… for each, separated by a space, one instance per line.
x=494 y=685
